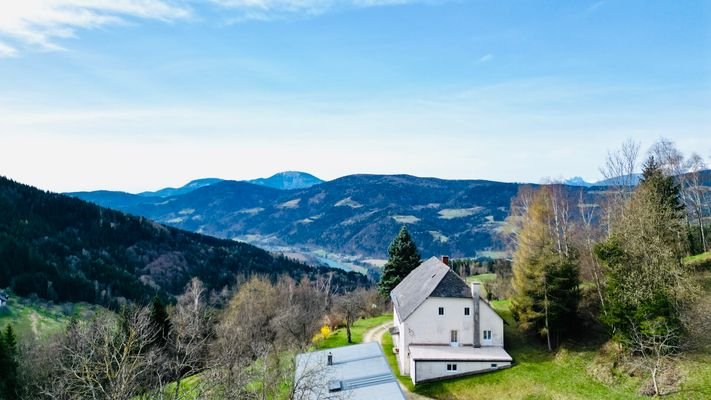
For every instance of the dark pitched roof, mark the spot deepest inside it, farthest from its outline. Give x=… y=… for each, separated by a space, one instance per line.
x=452 y=285
x=431 y=279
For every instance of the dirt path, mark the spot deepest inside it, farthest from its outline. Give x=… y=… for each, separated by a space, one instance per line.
x=34 y=319
x=376 y=335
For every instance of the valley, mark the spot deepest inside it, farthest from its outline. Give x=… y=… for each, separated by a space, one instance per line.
x=352 y=218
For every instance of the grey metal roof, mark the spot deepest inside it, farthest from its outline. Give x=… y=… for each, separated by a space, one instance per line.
x=431 y=278
x=358 y=372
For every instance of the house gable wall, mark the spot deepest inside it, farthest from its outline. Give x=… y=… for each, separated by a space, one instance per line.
x=426 y=326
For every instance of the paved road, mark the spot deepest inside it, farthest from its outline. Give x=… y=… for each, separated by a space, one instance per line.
x=376 y=335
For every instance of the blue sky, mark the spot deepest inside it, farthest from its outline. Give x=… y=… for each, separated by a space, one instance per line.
x=140 y=94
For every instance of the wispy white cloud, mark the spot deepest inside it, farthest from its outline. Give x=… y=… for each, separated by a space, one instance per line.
x=485 y=58
x=7 y=51
x=593 y=7
x=41 y=23
x=276 y=9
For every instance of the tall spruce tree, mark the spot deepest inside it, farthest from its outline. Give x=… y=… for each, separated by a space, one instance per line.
x=403 y=257
x=8 y=364
x=646 y=279
x=545 y=273
x=161 y=320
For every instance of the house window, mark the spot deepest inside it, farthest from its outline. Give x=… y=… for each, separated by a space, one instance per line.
x=466 y=310
x=493 y=365
x=453 y=337
x=487 y=335
x=451 y=367
x=441 y=311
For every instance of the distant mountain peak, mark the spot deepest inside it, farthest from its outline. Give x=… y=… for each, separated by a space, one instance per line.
x=577 y=181
x=288 y=180
x=188 y=187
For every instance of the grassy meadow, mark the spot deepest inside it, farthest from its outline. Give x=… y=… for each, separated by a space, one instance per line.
x=39 y=318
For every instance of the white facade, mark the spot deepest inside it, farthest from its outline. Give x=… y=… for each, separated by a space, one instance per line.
x=436 y=370
x=440 y=338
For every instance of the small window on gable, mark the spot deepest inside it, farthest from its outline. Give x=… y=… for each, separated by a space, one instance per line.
x=487 y=335
x=466 y=310
x=441 y=311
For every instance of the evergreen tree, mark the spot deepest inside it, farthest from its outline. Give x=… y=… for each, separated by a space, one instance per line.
x=403 y=257
x=8 y=364
x=646 y=279
x=666 y=192
x=545 y=274
x=160 y=319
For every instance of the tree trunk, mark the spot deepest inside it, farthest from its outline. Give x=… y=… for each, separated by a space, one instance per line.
x=703 y=233
x=654 y=380
x=348 y=329
x=177 y=389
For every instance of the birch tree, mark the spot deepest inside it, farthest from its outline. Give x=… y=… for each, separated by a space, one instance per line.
x=697 y=199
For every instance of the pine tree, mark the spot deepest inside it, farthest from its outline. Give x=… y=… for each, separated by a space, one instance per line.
x=545 y=273
x=403 y=257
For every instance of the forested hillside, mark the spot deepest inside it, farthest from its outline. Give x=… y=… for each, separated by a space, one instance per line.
x=62 y=248
x=356 y=214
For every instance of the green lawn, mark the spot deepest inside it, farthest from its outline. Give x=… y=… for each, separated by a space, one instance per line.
x=538 y=374
x=338 y=338
x=481 y=278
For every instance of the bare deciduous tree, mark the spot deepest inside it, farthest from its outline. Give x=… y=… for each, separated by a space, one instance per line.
x=103 y=358
x=654 y=346
x=590 y=235
x=352 y=306
x=190 y=334
x=619 y=173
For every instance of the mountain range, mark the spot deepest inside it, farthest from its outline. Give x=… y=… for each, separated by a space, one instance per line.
x=353 y=215
x=579 y=181
x=66 y=249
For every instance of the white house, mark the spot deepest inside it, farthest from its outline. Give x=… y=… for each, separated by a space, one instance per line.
x=3 y=300
x=443 y=328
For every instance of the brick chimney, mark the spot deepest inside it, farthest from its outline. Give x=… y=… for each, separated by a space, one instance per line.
x=445 y=260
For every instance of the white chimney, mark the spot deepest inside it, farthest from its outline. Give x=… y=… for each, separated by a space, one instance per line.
x=476 y=289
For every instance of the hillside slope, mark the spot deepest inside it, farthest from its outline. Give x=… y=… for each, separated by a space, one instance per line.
x=65 y=249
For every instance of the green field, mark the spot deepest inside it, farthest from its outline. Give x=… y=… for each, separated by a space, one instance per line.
x=338 y=338
x=481 y=278
x=538 y=374
x=38 y=318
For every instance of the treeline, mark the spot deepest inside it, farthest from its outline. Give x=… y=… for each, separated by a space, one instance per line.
x=65 y=249
x=240 y=345
x=628 y=248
